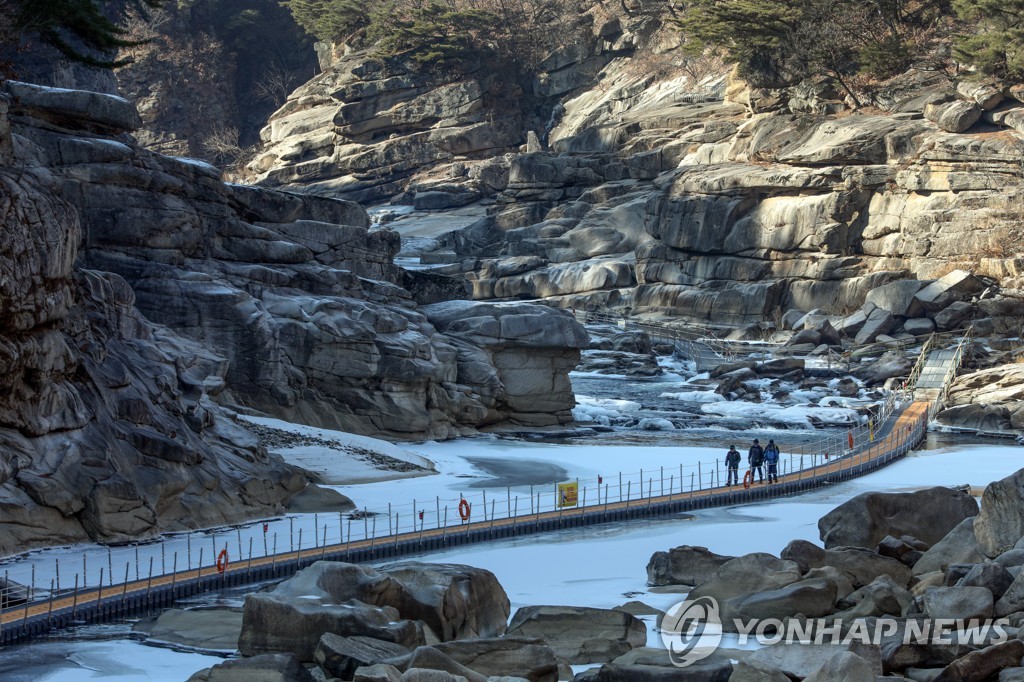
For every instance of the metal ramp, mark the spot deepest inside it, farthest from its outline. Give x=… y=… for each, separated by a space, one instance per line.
x=702 y=354
x=935 y=370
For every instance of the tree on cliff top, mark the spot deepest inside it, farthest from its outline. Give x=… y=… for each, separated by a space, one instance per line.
x=442 y=32
x=330 y=20
x=997 y=48
x=87 y=31
x=780 y=42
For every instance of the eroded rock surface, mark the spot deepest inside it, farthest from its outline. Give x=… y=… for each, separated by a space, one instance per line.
x=141 y=293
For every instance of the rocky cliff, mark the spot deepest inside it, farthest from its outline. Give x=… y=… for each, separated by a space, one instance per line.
x=653 y=190
x=141 y=293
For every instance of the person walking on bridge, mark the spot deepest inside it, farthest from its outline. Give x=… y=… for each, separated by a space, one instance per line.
x=771 y=458
x=732 y=464
x=755 y=458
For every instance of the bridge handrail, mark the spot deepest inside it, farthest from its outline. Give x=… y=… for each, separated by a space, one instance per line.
x=670 y=496
x=954 y=366
x=922 y=358
x=156 y=559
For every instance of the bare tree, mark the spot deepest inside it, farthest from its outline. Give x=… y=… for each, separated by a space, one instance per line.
x=275 y=83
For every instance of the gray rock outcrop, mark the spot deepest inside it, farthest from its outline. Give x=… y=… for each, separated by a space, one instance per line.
x=1000 y=523
x=580 y=635
x=684 y=565
x=351 y=600
x=268 y=301
x=868 y=518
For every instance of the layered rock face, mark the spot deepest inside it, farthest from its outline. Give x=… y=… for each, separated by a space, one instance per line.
x=734 y=220
x=363 y=127
x=107 y=423
x=668 y=195
x=279 y=303
x=369 y=129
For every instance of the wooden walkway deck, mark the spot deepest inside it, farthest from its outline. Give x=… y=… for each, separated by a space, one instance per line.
x=111 y=603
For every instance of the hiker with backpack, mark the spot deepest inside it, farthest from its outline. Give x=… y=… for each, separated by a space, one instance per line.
x=732 y=464
x=771 y=458
x=755 y=458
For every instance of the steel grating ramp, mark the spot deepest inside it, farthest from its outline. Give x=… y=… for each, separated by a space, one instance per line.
x=936 y=369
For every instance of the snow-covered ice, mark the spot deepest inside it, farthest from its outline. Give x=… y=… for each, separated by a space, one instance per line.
x=695 y=396
x=603 y=410
x=600 y=566
x=342 y=462
x=802 y=416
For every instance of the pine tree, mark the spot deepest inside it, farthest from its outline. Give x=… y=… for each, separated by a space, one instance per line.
x=85 y=31
x=997 y=45
x=329 y=20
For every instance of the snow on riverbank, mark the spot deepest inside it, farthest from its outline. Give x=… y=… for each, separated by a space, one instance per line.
x=337 y=456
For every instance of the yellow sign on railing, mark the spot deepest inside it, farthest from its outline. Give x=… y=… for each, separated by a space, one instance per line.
x=568 y=494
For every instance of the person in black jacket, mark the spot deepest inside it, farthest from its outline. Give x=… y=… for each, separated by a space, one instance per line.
x=755 y=458
x=732 y=464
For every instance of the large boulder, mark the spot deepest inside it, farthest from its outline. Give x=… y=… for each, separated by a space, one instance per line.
x=898 y=297
x=532 y=348
x=956 y=116
x=1012 y=600
x=580 y=634
x=892 y=364
x=684 y=565
x=958 y=603
x=904 y=646
x=214 y=629
x=799 y=661
x=262 y=668
x=341 y=656
x=978 y=666
x=954 y=315
x=960 y=546
x=75 y=109
x=878 y=321
x=744 y=576
x=455 y=601
x=868 y=518
x=272 y=624
x=992 y=576
x=1000 y=523
x=958 y=285
x=811 y=598
x=861 y=565
x=882 y=597
x=530 y=659
x=986 y=95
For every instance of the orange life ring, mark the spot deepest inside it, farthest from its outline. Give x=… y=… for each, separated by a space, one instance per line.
x=748 y=478
x=464 y=509
x=222 y=560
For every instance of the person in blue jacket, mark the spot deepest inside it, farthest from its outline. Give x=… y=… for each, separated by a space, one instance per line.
x=771 y=458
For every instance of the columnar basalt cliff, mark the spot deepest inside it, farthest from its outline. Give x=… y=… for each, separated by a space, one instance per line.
x=141 y=294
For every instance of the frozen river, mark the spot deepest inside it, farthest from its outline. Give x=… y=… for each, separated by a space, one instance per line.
x=601 y=566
